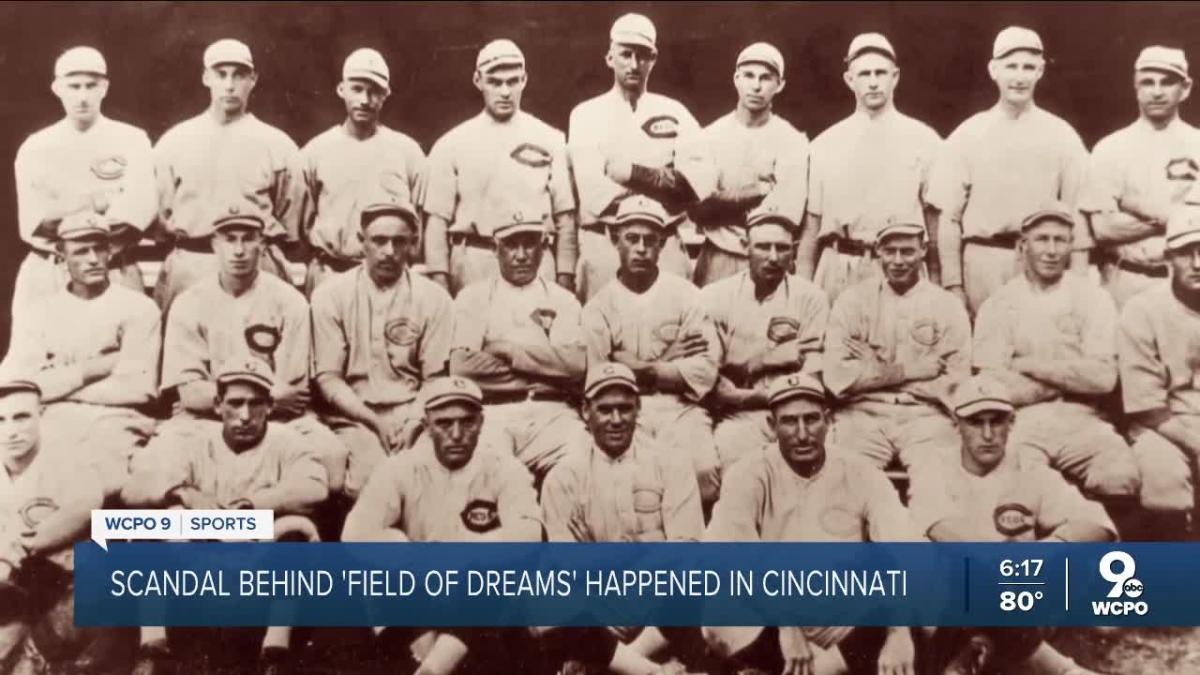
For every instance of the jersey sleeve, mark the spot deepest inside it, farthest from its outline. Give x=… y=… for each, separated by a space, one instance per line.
x=1105 y=180
x=441 y=183
x=330 y=346
x=1144 y=377
x=294 y=355
x=597 y=192
x=949 y=178
x=683 y=518
x=137 y=202
x=562 y=196
x=470 y=318
x=1062 y=503
x=160 y=467
x=699 y=371
x=790 y=194
x=736 y=514
x=379 y=507
x=560 y=499
x=439 y=327
x=693 y=156
x=185 y=351
x=887 y=519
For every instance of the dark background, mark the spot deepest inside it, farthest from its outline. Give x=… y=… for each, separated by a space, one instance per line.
x=154 y=59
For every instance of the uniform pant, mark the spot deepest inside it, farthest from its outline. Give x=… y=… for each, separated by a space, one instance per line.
x=715 y=263
x=39 y=276
x=741 y=433
x=682 y=426
x=1166 y=471
x=838 y=271
x=105 y=436
x=1124 y=284
x=599 y=262
x=1073 y=439
x=918 y=434
x=365 y=451
x=539 y=433
x=182 y=268
x=469 y=264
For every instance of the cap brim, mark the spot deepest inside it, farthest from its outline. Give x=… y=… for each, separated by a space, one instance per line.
x=762 y=62
x=1012 y=50
x=83 y=234
x=403 y=211
x=595 y=389
x=777 y=219
x=447 y=399
x=1179 y=241
x=914 y=231
x=369 y=76
x=1042 y=216
x=793 y=394
x=82 y=71
x=870 y=50
x=242 y=378
x=17 y=386
x=630 y=220
x=500 y=62
x=230 y=62
x=634 y=40
x=1162 y=68
x=510 y=230
x=984 y=405
x=247 y=223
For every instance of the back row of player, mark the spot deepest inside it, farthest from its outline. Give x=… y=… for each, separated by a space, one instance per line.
x=972 y=191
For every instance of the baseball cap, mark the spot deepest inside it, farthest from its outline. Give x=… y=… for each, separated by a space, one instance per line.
x=1016 y=38
x=769 y=213
x=250 y=371
x=390 y=194
x=1183 y=226
x=244 y=214
x=604 y=375
x=634 y=29
x=978 y=394
x=1166 y=59
x=520 y=221
x=870 y=42
x=13 y=384
x=81 y=60
x=366 y=64
x=901 y=226
x=499 y=53
x=764 y=53
x=641 y=209
x=82 y=224
x=1051 y=211
x=796 y=385
x=443 y=390
x=228 y=51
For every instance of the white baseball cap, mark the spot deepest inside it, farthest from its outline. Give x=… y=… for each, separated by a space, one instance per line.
x=81 y=60
x=978 y=394
x=499 y=53
x=764 y=53
x=900 y=226
x=1016 y=38
x=642 y=209
x=367 y=64
x=228 y=51
x=1183 y=226
x=634 y=29
x=604 y=375
x=870 y=42
x=1166 y=59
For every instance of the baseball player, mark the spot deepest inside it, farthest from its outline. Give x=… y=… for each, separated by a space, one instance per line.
x=869 y=167
x=769 y=323
x=630 y=141
x=379 y=331
x=999 y=166
x=518 y=336
x=221 y=154
x=990 y=495
x=245 y=462
x=760 y=159
x=476 y=168
x=1050 y=338
x=793 y=490
x=1138 y=173
x=239 y=313
x=893 y=348
x=340 y=161
x=84 y=162
x=654 y=323
x=1158 y=355
x=93 y=348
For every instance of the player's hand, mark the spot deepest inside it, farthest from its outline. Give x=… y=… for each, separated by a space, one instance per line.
x=860 y=349
x=783 y=356
x=566 y=280
x=925 y=367
x=403 y=435
x=501 y=349
x=689 y=345
x=898 y=653
x=291 y=399
x=797 y=653
x=485 y=364
x=577 y=525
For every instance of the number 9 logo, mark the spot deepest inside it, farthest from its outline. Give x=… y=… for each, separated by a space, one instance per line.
x=1118 y=579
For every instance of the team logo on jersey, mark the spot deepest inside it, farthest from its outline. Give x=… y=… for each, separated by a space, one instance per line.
x=661 y=126
x=1013 y=519
x=1182 y=168
x=925 y=332
x=400 y=332
x=480 y=515
x=531 y=155
x=109 y=168
x=1069 y=325
x=840 y=522
x=780 y=329
x=544 y=318
x=36 y=510
x=263 y=339
x=667 y=332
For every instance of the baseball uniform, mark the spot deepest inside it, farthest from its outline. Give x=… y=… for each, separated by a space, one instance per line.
x=774 y=152
x=645 y=325
x=646 y=494
x=200 y=162
x=474 y=172
x=384 y=343
x=336 y=166
x=747 y=328
x=529 y=407
x=905 y=418
x=60 y=164
x=862 y=172
x=658 y=133
x=991 y=173
x=1139 y=167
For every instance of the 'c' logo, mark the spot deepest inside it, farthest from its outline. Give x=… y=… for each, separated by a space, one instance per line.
x=925 y=332
x=1182 y=168
x=36 y=510
x=480 y=515
x=661 y=126
x=1013 y=519
x=400 y=332
x=109 y=168
x=531 y=155
x=782 y=328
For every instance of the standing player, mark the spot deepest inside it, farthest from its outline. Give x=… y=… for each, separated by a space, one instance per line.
x=1140 y=172
x=84 y=162
x=630 y=141
x=518 y=336
x=655 y=324
x=999 y=166
x=240 y=313
x=342 y=161
x=770 y=323
x=224 y=153
x=871 y=166
x=894 y=347
x=477 y=168
x=761 y=160
x=379 y=331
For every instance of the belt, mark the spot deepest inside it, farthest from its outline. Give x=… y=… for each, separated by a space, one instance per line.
x=194 y=244
x=1004 y=240
x=852 y=247
x=334 y=262
x=472 y=239
x=1155 y=270
x=498 y=398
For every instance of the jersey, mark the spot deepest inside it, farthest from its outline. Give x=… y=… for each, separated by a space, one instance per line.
x=339 y=171
x=200 y=163
x=207 y=327
x=1145 y=166
x=61 y=164
x=864 y=171
x=383 y=343
x=924 y=321
x=645 y=494
x=63 y=331
x=659 y=132
x=491 y=496
x=1158 y=351
x=52 y=482
x=646 y=324
x=775 y=152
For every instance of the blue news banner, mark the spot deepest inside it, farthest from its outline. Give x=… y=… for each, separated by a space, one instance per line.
x=410 y=584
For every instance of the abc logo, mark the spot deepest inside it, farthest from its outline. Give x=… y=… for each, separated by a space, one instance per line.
x=1132 y=588
x=1118 y=567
